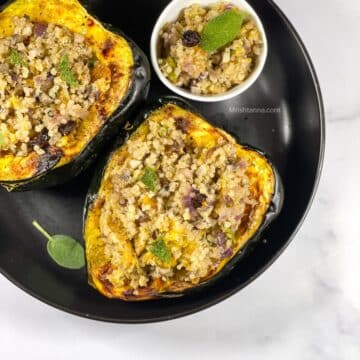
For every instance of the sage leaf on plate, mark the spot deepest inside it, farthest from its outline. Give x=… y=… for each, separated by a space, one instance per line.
x=221 y=30
x=63 y=249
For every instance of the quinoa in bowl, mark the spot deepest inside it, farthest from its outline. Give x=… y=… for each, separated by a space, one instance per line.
x=187 y=63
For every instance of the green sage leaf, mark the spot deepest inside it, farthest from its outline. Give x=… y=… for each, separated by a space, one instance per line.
x=66 y=73
x=221 y=30
x=66 y=252
x=63 y=249
x=16 y=58
x=160 y=250
x=150 y=179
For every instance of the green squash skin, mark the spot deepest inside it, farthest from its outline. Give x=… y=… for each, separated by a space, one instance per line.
x=135 y=97
x=274 y=208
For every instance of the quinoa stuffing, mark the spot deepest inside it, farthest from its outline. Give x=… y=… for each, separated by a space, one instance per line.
x=197 y=54
x=169 y=209
x=46 y=88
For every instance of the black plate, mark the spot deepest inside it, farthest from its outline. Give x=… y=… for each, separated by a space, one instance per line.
x=293 y=137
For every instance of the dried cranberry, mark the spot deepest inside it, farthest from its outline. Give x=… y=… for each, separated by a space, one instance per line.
x=198 y=199
x=26 y=41
x=220 y=239
x=66 y=129
x=227 y=253
x=182 y=124
x=191 y=38
x=194 y=200
x=40 y=29
x=40 y=139
x=49 y=159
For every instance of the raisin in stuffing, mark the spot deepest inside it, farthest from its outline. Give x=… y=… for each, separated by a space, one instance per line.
x=66 y=129
x=41 y=139
x=198 y=199
x=191 y=38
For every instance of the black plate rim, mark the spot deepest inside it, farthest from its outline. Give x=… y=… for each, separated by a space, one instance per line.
x=275 y=256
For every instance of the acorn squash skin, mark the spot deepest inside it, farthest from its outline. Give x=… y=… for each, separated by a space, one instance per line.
x=55 y=167
x=91 y=207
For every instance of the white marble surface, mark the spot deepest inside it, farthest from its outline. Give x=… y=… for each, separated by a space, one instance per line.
x=314 y=313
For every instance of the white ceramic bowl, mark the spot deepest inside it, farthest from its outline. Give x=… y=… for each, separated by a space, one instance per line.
x=171 y=13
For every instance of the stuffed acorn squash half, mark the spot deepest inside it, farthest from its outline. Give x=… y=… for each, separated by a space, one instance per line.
x=174 y=206
x=66 y=86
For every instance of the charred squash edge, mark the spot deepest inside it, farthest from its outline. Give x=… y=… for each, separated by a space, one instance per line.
x=274 y=208
x=136 y=95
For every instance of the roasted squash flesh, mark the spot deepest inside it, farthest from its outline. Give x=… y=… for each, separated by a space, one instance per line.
x=175 y=205
x=114 y=66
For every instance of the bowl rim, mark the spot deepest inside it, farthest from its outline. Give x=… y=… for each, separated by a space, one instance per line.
x=168 y=14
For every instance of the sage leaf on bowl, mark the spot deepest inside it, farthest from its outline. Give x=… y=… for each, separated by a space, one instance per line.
x=221 y=30
x=63 y=249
